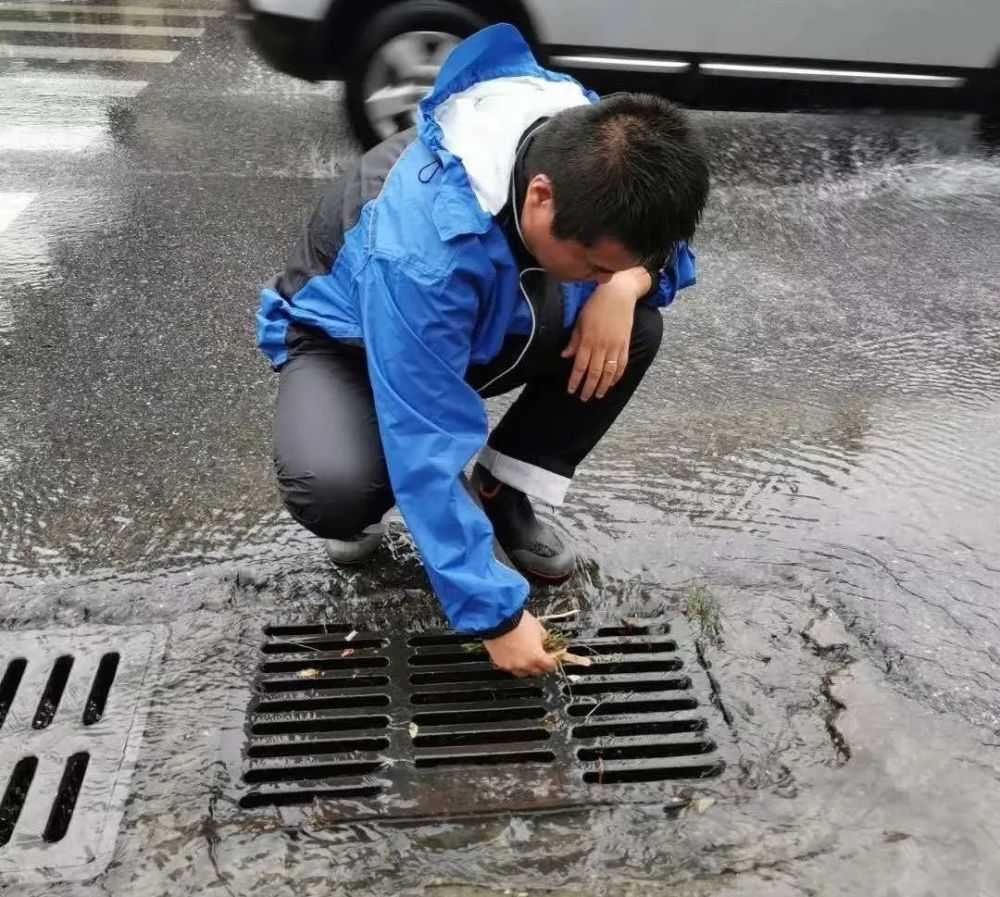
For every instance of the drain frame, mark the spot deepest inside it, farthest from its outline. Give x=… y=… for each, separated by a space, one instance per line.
x=392 y=736
x=71 y=727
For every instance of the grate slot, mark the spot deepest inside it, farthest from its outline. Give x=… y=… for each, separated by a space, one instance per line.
x=451 y=638
x=588 y=646
x=610 y=708
x=310 y=772
x=309 y=629
x=489 y=736
x=654 y=770
x=297 y=798
x=311 y=645
x=322 y=682
x=324 y=724
x=316 y=748
x=598 y=684
x=446 y=658
x=624 y=686
x=683 y=746
x=624 y=728
x=618 y=667
x=637 y=629
x=65 y=802
x=15 y=795
x=333 y=702
x=474 y=695
x=443 y=677
x=9 y=684
x=529 y=756
x=52 y=695
x=322 y=663
x=99 y=691
x=467 y=717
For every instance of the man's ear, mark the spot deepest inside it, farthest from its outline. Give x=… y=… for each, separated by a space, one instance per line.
x=539 y=190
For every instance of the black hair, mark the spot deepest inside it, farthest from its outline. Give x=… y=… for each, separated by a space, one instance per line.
x=631 y=168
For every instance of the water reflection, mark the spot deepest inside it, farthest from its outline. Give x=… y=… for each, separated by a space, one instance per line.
x=818 y=438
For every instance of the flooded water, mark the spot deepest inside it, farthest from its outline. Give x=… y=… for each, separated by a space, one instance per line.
x=817 y=448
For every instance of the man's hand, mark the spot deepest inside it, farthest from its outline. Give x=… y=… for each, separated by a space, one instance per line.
x=520 y=651
x=603 y=332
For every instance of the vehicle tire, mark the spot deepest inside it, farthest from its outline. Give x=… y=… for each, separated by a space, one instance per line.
x=398 y=55
x=989 y=113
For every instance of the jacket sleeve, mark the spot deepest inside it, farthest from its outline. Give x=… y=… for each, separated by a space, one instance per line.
x=418 y=328
x=678 y=273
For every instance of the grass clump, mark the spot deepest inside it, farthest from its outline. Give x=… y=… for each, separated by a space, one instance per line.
x=702 y=607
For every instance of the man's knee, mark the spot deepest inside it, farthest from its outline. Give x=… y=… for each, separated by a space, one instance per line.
x=332 y=503
x=647 y=333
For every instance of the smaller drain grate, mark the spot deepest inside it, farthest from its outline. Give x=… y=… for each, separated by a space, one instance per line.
x=72 y=710
x=377 y=723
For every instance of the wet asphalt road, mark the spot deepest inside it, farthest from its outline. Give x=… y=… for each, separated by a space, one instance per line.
x=817 y=446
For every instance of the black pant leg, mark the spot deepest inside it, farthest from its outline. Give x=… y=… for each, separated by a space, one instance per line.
x=547 y=432
x=327 y=450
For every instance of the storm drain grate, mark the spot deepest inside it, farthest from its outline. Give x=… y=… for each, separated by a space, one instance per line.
x=73 y=708
x=381 y=723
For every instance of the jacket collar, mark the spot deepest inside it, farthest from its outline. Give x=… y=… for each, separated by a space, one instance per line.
x=495 y=52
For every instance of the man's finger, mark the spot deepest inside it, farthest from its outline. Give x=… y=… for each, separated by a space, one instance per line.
x=609 y=377
x=579 y=368
x=594 y=375
x=622 y=363
x=547 y=664
x=574 y=344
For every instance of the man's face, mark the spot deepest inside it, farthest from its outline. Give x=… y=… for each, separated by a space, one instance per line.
x=567 y=260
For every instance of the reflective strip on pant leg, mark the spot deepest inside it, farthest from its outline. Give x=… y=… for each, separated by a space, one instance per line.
x=529 y=478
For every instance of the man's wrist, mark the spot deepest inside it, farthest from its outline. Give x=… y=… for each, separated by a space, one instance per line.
x=637 y=282
x=502 y=628
x=644 y=282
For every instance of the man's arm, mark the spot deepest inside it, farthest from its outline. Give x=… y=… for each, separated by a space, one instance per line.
x=418 y=327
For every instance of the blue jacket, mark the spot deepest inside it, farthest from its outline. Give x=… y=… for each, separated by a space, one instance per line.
x=405 y=254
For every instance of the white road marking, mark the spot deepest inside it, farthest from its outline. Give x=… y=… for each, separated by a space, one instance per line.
x=52 y=139
x=11 y=205
x=86 y=54
x=68 y=86
x=112 y=9
x=81 y=28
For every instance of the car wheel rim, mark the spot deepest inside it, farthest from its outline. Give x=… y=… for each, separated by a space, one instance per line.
x=400 y=75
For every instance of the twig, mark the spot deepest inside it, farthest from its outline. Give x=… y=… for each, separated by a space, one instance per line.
x=562 y=616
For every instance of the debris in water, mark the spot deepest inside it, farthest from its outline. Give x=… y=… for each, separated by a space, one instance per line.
x=562 y=616
x=310 y=673
x=556 y=645
x=414 y=728
x=347 y=652
x=351 y=635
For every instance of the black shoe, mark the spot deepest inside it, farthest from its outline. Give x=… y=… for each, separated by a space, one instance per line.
x=532 y=546
x=350 y=552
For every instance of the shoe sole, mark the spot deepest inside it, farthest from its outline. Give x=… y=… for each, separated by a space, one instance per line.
x=547 y=578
